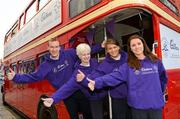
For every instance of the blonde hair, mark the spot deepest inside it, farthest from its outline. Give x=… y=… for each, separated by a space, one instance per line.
x=53 y=40
x=82 y=47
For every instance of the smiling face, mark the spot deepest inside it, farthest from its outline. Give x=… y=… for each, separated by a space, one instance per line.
x=113 y=50
x=137 y=47
x=85 y=56
x=83 y=51
x=54 y=49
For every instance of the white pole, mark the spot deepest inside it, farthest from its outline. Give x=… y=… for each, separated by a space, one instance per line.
x=109 y=97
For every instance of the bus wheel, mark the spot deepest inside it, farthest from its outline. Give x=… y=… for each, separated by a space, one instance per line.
x=44 y=112
x=3 y=97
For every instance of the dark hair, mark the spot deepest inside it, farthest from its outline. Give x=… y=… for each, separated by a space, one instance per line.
x=133 y=61
x=112 y=41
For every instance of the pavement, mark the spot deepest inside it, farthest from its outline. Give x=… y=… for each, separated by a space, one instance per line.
x=5 y=111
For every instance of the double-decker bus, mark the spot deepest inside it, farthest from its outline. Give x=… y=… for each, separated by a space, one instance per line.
x=25 y=44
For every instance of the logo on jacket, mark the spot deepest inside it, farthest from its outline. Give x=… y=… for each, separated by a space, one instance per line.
x=149 y=70
x=60 y=67
x=137 y=72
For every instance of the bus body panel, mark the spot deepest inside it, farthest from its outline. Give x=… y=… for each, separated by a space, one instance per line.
x=25 y=97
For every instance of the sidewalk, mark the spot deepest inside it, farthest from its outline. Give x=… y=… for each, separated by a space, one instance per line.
x=5 y=112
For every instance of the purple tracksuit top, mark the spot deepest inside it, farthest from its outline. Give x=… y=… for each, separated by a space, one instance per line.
x=57 y=72
x=52 y=70
x=107 y=66
x=145 y=86
x=72 y=85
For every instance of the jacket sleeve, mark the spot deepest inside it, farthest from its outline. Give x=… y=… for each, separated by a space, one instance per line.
x=112 y=79
x=72 y=53
x=66 y=90
x=38 y=75
x=96 y=48
x=162 y=76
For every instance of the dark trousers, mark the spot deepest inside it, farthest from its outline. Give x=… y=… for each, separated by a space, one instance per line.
x=120 y=109
x=78 y=103
x=146 y=114
x=97 y=109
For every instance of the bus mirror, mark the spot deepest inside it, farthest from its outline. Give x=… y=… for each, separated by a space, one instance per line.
x=154 y=46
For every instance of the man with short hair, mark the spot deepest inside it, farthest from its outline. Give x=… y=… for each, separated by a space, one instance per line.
x=57 y=68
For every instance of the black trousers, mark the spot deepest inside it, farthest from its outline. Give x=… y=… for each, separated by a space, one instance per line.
x=78 y=103
x=120 y=109
x=97 y=109
x=146 y=114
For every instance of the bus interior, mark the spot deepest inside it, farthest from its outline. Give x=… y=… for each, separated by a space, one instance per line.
x=120 y=26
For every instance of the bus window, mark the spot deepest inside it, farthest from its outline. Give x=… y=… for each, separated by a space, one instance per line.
x=6 y=70
x=42 y=58
x=31 y=66
x=15 y=30
x=21 y=21
x=42 y=3
x=28 y=66
x=170 y=6
x=8 y=37
x=78 y=6
x=31 y=12
x=24 y=67
x=20 y=68
x=14 y=68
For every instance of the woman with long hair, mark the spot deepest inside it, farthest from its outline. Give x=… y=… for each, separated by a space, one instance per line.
x=146 y=79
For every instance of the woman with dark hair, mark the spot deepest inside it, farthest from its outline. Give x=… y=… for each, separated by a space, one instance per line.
x=146 y=79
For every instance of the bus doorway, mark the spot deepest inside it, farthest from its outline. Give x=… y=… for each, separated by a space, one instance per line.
x=120 y=25
x=133 y=21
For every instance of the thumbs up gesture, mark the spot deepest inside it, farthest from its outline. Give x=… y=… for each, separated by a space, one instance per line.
x=91 y=84
x=80 y=76
x=11 y=74
x=47 y=101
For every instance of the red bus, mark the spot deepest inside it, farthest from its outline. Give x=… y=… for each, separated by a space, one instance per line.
x=25 y=44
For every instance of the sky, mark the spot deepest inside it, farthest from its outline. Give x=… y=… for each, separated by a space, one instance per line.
x=10 y=10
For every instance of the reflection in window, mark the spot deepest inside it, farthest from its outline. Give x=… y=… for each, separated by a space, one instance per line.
x=14 y=68
x=31 y=67
x=24 y=67
x=20 y=68
x=78 y=6
x=42 y=57
x=28 y=66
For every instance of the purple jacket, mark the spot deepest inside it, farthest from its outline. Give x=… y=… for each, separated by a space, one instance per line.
x=57 y=72
x=72 y=85
x=145 y=86
x=52 y=70
x=107 y=66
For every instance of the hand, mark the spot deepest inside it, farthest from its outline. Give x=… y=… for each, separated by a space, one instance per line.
x=91 y=84
x=47 y=101
x=11 y=74
x=103 y=43
x=80 y=76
